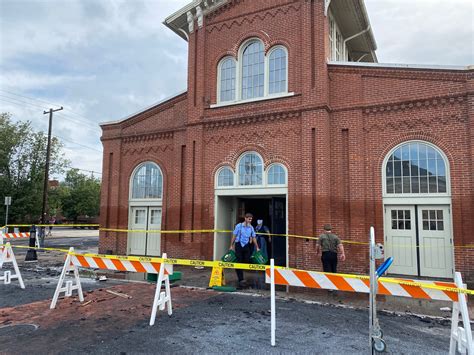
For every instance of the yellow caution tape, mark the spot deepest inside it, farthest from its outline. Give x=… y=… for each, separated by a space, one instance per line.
x=256 y=267
x=188 y=231
x=36 y=248
x=54 y=225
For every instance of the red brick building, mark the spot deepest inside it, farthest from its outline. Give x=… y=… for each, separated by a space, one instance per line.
x=288 y=115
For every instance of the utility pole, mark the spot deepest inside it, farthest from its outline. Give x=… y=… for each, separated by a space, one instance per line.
x=46 y=168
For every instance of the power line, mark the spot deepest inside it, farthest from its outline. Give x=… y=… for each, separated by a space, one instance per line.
x=82 y=145
x=20 y=102
x=49 y=103
x=57 y=136
x=89 y=171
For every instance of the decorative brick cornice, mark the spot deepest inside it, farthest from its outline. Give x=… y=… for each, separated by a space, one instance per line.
x=246 y=136
x=147 y=150
x=407 y=122
x=147 y=137
x=251 y=17
x=144 y=137
x=223 y=8
x=413 y=104
x=237 y=121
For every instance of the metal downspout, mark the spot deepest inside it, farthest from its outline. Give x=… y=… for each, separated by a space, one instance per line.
x=352 y=37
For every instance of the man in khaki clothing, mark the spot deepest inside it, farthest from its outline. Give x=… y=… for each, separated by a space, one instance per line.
x=331 y=248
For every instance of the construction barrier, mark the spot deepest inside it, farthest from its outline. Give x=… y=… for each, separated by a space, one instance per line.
x=16 y=235
x=7 y=256
x=456 y=292
x=431 y=290
x=109 y=262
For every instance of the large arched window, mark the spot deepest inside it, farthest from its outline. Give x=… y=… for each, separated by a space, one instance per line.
x=147 y=182
x=416 y=168
x=225 y=177
x=277 y=69
x=276 y=175
x=250 y=170
x=227 y=79
x=253 y=70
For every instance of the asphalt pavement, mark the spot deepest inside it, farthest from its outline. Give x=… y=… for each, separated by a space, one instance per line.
x=203 y=321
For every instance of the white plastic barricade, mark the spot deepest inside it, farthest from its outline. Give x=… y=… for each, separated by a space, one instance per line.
x=461 y=337
x=7 y=256
x=118 y=263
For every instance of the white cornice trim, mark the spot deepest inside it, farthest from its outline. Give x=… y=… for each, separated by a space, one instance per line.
x=401 y=66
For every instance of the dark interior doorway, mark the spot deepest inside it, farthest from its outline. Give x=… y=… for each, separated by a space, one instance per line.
x=273 y=212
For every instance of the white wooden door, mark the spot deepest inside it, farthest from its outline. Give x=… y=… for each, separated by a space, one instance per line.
x=224 y=217
x=138 y=223
x=436 y=250
x=153 y=245
x=400 y=239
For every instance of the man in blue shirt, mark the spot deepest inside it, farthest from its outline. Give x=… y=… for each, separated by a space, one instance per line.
x=242 y=237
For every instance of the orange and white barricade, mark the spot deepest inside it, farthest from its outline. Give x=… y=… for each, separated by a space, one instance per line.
x=16 y=235
x=7 y=256
x=430 y=290
x=111 y=262
x=19 y=236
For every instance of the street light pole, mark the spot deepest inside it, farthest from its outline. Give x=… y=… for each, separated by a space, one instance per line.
x=46 y=168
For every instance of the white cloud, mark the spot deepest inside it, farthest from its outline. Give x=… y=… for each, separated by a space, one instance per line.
x=26 y=80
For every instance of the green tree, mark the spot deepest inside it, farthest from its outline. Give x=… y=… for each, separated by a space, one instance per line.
x=22 y=161
x=79 y=195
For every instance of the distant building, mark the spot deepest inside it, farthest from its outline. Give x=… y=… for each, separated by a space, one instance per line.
x=288 y=115
x=53 y=184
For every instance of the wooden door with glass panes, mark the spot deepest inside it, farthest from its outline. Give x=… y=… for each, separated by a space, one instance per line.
x=154 y=236
x=436 y=250
x=400 y=239
x=138 y=225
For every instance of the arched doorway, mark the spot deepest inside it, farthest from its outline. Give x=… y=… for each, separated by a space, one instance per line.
x=417 y=210
x=145 y=207
x=255 y=189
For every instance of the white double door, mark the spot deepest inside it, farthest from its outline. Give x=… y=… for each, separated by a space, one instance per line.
x=418 y=237
x=145 y=226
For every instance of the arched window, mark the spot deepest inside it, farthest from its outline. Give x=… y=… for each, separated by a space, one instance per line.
x=225 y=177
x=276 y=175
x=277 y=71
x=415 y=168
x=227 y=80
x=147 y=182
x=250 y=170
x=253 y=68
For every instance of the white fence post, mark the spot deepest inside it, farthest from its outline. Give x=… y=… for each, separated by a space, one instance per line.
x=272 y=300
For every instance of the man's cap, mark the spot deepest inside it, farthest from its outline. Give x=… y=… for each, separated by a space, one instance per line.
x=327 y=227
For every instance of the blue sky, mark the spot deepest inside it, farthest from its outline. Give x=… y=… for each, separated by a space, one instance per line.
x=106 y=59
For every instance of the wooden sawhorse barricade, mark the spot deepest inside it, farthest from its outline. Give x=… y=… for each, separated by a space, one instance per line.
x=117 y=263
x=7 y=256
x=461 y=337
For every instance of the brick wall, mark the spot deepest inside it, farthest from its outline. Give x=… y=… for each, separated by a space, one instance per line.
x=332 y=135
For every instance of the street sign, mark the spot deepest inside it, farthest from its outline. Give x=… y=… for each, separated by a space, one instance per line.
x=8 y=200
